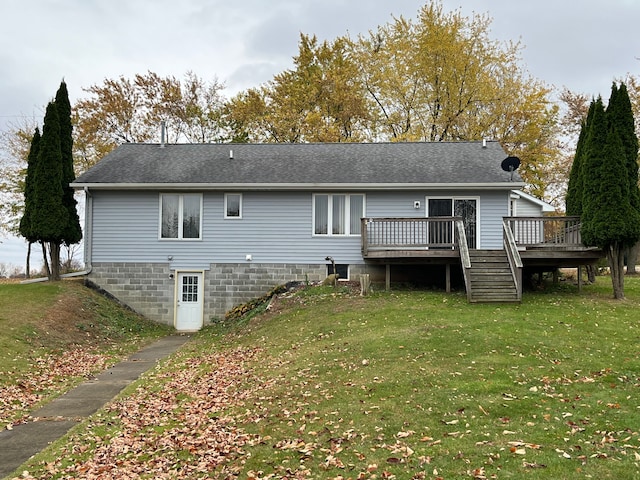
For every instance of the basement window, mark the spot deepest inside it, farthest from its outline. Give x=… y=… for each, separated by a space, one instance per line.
x=341 y=269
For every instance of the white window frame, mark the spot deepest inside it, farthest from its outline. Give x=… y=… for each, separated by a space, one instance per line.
x=330 y=214
x=180 y=218
x=340 y=279
x=226 y=211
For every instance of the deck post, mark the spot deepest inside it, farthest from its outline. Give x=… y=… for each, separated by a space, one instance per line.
x=579 y=278
x=447 y=276
x=388 y=277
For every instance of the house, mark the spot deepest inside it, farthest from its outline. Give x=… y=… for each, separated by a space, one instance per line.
x=183 y=233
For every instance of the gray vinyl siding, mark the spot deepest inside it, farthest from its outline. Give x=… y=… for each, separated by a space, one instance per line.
x=276 y=227
x=492 y=206
x=526 y=208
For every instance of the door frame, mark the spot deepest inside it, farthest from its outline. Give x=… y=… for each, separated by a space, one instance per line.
x=452 y=198
x=177 y=291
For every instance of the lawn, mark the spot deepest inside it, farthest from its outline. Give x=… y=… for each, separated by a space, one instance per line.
x=405 y=385
x=54 y=335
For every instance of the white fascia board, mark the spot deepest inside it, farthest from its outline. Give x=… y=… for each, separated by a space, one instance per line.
x=298 y=186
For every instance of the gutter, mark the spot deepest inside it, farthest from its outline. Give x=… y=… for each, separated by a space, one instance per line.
x=301 y=186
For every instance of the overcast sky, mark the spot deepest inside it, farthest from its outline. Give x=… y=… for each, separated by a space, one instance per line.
x=579 y=44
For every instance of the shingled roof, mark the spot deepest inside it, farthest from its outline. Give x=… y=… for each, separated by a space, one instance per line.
x=315 y=165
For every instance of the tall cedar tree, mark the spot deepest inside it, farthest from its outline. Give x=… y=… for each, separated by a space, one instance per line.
x=49 y=215
x=575 y=185
x=621 y=115
x=72 y=232
x=609 y=220
x=25 y=223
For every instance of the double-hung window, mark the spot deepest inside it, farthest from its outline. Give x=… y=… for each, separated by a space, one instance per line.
x=180 y=216
x=337 y=214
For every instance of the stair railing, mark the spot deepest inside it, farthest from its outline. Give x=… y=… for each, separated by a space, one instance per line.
x=465 y=258
x=515 y=261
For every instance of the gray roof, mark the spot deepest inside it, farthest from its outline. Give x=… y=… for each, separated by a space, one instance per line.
x=302 y=165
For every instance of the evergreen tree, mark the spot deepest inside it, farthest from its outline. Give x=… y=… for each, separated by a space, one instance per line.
x=25 y=223
x=620 y=115
x=575 y=185
x=49 y=215
x=72 y=232
x=621 y=118
x=609 y=220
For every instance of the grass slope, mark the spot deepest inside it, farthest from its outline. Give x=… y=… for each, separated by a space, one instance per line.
x=395 y=385
x=53 y=335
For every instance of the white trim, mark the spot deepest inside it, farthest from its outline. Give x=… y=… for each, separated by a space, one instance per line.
x=179 y=238
x=232 y=217
x=337 y=187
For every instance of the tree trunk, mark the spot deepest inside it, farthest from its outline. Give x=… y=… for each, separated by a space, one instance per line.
x=45 y=259
x=632 y=259
x=54 y=253
x=28 y=275
x=615 y=256
x=591 y=273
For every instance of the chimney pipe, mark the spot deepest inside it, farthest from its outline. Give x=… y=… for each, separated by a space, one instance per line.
x=162 y=133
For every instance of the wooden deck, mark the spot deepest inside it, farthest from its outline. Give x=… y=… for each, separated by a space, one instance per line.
x=529 y=243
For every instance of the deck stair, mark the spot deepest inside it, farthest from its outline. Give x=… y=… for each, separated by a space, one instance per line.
x=490 y=278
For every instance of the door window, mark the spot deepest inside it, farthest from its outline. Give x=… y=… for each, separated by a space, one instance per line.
x=190 y=288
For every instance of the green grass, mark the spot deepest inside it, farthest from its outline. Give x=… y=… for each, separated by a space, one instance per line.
x=400 y=385
x=48 y=329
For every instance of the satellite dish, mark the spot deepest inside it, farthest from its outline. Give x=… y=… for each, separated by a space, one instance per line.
x=510 y=164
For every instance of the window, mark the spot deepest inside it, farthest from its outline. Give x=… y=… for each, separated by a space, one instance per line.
x=180 y=216
x=232 y=205
x=341 y=269
x=337 y=214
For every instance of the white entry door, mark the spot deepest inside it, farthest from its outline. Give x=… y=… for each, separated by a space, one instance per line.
x=189 y=301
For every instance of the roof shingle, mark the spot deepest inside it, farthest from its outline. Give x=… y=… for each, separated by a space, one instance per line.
x=315 y=164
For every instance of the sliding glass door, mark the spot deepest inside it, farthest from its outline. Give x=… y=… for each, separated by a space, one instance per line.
x=442 y=233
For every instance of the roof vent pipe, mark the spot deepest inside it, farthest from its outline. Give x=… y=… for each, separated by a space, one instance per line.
x=484 y=143
x=162 y=133
x=230 y=154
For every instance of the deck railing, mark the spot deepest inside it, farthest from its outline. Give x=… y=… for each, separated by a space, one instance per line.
x=545 y=231
x=408 y=233
x=515 y=262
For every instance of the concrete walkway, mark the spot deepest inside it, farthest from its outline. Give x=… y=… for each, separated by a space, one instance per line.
x=56 y=418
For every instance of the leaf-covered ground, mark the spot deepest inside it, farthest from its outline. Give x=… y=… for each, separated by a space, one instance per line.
x=50 y=375
x=55 y=335
x=407 y=385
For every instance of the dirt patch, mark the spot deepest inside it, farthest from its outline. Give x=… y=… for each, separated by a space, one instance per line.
x=71 y=320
